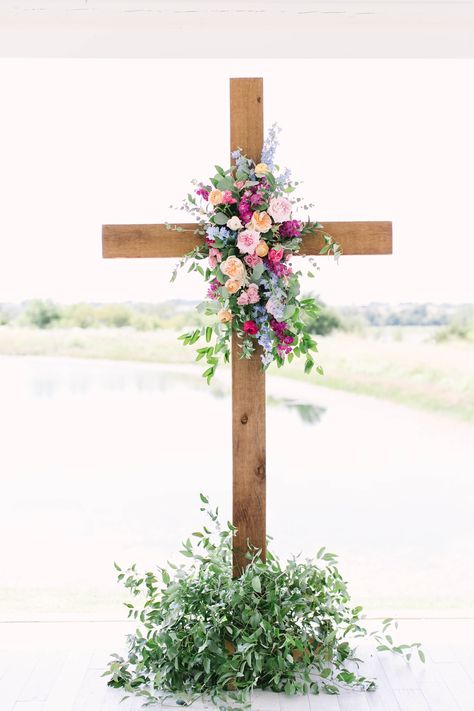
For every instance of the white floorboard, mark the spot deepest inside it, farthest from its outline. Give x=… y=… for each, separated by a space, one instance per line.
x=49 y=666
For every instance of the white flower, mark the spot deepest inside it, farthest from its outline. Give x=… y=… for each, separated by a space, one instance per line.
x=234 y=223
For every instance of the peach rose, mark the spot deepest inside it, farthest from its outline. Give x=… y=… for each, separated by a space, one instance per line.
x=215 y=196
x=262 y=249
x=261 y=169
x=233 y=285
x=233 y=268
x=261 y=221
x=224 y=316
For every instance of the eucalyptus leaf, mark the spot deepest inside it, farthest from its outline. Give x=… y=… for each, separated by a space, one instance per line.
x=220 y=218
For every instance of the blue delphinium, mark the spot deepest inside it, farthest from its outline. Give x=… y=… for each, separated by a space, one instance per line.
x=270 y=145
x=224 y=235
x=284 y=178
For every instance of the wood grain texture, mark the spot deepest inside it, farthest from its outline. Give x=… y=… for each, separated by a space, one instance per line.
x=248 y=380
x=147 y=241
x=354 y=238
x=154 y=241
x=248 y=455
x=246 y=116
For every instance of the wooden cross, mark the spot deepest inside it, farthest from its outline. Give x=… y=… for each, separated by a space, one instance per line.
x=248 y=380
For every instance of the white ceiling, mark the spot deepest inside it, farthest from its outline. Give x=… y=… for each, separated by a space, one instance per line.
x=241 y=28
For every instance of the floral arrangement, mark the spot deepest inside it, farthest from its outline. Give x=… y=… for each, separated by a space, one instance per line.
x=250 y=236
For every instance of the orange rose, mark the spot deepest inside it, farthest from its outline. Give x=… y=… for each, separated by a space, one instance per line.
x=261 y=249
x=232 y=285
x=215 y=197
x=224 y=316
x=233 y=268
x=261 y=221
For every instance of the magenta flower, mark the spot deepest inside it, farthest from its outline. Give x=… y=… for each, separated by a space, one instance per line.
x=202 y=192
x=275 y=255
x=227 y=198
x=290 y=228
x=251 y=328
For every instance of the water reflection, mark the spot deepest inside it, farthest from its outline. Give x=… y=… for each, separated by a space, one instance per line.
x=54 y=378
x=105 y=461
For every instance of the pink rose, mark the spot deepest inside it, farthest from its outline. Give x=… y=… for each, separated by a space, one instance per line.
x=280 y=209
x=275 y=255
x=252 y=260
x=214 y=257
x=247 y=241
x=243 y=299
x=252 y=294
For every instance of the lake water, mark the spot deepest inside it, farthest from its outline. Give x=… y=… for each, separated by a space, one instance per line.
x=105 y=461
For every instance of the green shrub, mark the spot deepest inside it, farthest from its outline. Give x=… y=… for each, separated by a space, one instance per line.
x=460 y=330
x=326 y=321
x=286 y=628
x=79 y=316
x=41 y=314
x=114 y=315
x=4 y=316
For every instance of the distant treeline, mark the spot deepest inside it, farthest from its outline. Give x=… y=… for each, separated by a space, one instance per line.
x=451 y=320
x=409 y=314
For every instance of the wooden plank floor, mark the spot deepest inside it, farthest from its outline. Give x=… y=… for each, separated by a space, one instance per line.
x=57 y=666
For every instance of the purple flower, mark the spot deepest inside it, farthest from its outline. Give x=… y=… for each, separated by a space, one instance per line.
x=291 y=228
x=213 y=288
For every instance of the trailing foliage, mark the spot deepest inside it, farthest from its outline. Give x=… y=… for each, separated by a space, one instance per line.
x=289 y=628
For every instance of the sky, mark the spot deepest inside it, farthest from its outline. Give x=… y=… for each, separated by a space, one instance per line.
x=86 y=142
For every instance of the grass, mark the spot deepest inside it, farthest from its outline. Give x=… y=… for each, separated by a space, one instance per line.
x=403 y=366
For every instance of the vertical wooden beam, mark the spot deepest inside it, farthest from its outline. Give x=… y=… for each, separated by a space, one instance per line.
x=248 y=380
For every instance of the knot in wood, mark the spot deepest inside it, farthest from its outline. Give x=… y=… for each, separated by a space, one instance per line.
x=244 y=419
x=261 y=471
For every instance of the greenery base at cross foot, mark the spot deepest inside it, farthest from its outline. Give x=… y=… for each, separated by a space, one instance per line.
x=287 y=628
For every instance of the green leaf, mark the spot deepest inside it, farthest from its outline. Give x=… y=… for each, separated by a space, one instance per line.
x=204 y=499
x=256 y=584
x=220 y=218
x=208 y=333
x=226 y=184
x=257 y=273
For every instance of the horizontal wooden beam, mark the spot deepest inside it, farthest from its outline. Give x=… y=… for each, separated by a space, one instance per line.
x=354 y=238
x=139 y=241
x=134 y=241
